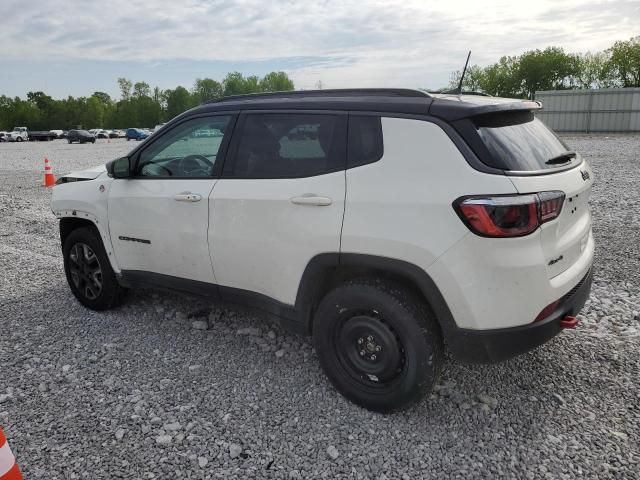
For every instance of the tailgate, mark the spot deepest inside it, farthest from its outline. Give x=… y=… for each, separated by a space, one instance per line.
x=565 y=238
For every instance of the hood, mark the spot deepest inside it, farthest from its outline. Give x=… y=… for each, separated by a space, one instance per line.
x=88 y=174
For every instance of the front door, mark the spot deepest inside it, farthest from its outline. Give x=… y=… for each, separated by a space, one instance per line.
x=158 y=218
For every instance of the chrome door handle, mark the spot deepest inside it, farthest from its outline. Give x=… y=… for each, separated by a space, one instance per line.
x=187 y=197
x=311 y=199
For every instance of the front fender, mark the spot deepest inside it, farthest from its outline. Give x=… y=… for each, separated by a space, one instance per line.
x=86 y=201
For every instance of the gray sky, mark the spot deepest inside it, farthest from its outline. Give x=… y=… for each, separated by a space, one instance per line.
x=67 y=47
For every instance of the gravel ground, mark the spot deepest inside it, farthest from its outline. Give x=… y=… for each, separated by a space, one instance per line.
x=170 y=386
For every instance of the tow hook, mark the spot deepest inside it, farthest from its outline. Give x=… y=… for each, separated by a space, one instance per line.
x=569 y=322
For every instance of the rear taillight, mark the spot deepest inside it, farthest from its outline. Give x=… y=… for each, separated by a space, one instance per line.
x=508 y=216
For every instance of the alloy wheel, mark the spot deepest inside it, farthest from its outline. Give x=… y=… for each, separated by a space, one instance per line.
x=85 y=269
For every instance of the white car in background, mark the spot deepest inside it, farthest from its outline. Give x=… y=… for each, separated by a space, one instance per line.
x=387 y=223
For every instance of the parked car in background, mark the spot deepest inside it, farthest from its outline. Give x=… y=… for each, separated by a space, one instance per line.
x=3 y=136
x=113 y=134
x=136 y=134
x=57 y=133
x=158 y=127
x=80 y=136
x=100 y=133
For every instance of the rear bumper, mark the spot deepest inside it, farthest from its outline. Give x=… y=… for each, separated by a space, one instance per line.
x=487 y=346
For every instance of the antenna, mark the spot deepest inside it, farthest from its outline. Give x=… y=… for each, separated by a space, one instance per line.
x=459 y=90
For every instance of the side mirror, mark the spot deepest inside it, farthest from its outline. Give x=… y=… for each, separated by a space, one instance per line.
x=119 y=168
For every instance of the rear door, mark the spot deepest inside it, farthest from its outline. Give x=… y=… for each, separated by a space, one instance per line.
x=280 y=201
x=536 y=160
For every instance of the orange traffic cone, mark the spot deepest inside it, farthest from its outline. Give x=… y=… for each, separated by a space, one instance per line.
x=49 y=177
x=8 y=467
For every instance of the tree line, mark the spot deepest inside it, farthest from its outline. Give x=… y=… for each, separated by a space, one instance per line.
x=553 y=69
x=139 y=105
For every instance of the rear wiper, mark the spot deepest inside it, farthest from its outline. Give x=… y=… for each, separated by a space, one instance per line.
x=562 y=158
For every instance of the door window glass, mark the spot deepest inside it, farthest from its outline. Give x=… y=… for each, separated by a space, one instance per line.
x=365 y=140
x=187 y=150
x=289 y=145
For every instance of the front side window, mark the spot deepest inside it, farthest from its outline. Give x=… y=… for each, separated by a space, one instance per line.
x=289 y=145
x=184 y=151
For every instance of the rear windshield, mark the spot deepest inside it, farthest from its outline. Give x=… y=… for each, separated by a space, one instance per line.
x=518 y=141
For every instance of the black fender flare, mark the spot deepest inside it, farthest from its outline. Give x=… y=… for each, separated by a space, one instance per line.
x=324 y=265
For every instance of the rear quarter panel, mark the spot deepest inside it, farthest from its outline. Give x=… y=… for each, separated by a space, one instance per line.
x=401 y=206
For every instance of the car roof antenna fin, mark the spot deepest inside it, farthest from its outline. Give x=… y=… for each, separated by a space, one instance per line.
x=459 y=90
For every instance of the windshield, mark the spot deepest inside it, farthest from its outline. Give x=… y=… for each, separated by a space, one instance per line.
x=519 y=141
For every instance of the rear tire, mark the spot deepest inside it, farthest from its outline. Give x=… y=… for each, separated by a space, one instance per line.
x=88 y=270
x=19 y=139
x=379 y=344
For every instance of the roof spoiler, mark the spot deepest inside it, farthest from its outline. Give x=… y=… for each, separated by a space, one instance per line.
x=457 y=110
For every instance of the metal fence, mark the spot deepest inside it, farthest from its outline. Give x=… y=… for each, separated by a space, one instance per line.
x=601 y=110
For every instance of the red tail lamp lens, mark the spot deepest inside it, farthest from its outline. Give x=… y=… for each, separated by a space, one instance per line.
x=509 y=216
x=550 y=205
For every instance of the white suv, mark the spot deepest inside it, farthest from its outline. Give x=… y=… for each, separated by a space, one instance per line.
x=387 y=223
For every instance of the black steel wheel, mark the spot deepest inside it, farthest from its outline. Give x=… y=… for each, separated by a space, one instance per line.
x=369 y=349
x=379 y=344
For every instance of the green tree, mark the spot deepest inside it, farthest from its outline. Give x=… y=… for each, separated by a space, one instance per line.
x=549 y=69
x=234 y=84
x=139 y=105
x=206 y=89
x=624 y=62
x=276 y=82
x=93 y=115
x=103 y=97
x=594 y=72
x=473 y=79
x=178 y=101
x=125 y=88
x=141 y=89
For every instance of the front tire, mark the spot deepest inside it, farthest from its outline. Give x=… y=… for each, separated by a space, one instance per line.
x=379 y=344
x=88 y=271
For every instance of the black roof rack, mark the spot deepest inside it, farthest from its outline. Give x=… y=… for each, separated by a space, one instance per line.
x=464 y=92
x=339 y=92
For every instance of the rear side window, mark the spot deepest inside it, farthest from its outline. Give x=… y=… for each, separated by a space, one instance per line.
x=290 y=145
x=517 y=141
x=365 y=140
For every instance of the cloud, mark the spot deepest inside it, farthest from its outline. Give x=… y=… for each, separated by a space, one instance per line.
x=341 y=42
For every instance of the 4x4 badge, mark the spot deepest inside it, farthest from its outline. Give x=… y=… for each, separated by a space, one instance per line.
x=585 y=175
